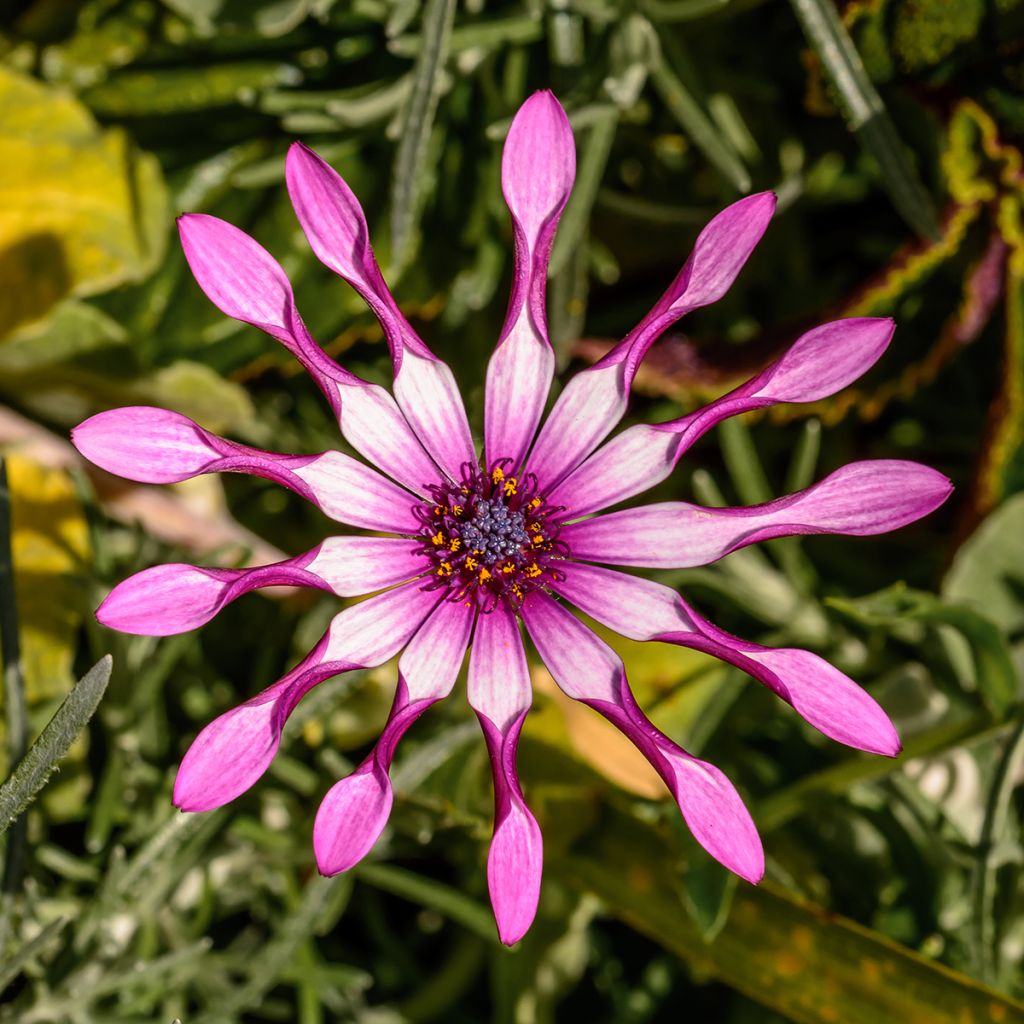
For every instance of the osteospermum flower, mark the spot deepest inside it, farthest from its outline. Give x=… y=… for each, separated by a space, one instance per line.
x=476 y=545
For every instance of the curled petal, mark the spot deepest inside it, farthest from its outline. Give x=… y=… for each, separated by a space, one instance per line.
x=500 y=693
x=244 y=281
x=150 y=445
x=821 y=694
x=234 y=750
x=820 y=363
x=719 y=254
x=589 y=671
x=176 y=598
x=356 y=809
x=159 y=446
x=595 y=400
x=538 y=167
x=335 y=225
x=861 y=499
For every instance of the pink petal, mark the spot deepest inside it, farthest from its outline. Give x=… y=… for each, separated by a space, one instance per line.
x=353 y=566
x=146 y=444
x=244 y=281
x=176 y=598
x=356 y=495
x=159 y=446
x=356 y=809
x=861 y=499
x=595 y=400
x=234 y=750
x=643 y=610
x=500 y=693
x=588 y=670
x=426 y=391
x=335 y=225
x=538 y=168
x=377 y=428
x=820 y=363
x=719 y=254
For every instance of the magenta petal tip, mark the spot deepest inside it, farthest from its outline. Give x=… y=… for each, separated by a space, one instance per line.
x=514 y=869
x=350 y=820
x=145 y=444
x=227 y=757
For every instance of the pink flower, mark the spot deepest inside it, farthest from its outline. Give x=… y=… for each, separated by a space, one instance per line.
x=476 y=546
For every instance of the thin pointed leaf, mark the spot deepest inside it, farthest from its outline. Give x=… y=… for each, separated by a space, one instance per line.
x=417 y=123
x=12 y=967
x=866 y=113
x=53 y=743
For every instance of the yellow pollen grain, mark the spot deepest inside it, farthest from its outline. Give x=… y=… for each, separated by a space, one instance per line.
x=535 y=527
x=510 y=486
x=507 y=568
x=484 y=575
x=457 y=510
x=455 y=544
x=471 y=564
x=444 y=569
x=438 y=539
x=497 y=474
x=537 y=540
x=533 y=571
x=536 y=503
x=438 y=510
x=518 y=591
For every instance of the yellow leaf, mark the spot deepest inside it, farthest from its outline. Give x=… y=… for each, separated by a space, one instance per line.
x=80 y=209
x=50 y=542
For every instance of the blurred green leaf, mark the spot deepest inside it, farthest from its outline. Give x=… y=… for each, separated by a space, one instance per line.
x=786 y=953
x=866 y=113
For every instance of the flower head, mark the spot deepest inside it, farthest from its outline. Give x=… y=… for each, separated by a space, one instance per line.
x=475 y=547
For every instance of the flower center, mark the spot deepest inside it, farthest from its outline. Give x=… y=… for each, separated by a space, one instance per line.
x=490 y=538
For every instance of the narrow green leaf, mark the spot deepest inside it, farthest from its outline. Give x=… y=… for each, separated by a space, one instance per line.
x=417 y=123
x=428 y=893
x=805 y=457
x=596 y=147
x=984 y=927
x=866 y=113
x=14 y=964
x=53 y=743
x=273 y=958
x=696 y=123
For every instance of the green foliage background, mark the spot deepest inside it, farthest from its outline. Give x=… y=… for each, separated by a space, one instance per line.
x=890 y=130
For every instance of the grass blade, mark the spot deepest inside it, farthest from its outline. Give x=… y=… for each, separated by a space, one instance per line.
x=53 y=743
x=866 y=113
x=12 y=966
x=417 y=122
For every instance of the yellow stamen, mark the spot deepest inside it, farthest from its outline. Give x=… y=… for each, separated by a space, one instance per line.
x=510 y=486
x=444 y=569
x=438 y=539
x=536 y=503
x=484 y=575
x=457 y=510
x=507 y=568
x=537 y=539
x=497 y=474
x=471 y=564
x=455 y=544
x=533 y=570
